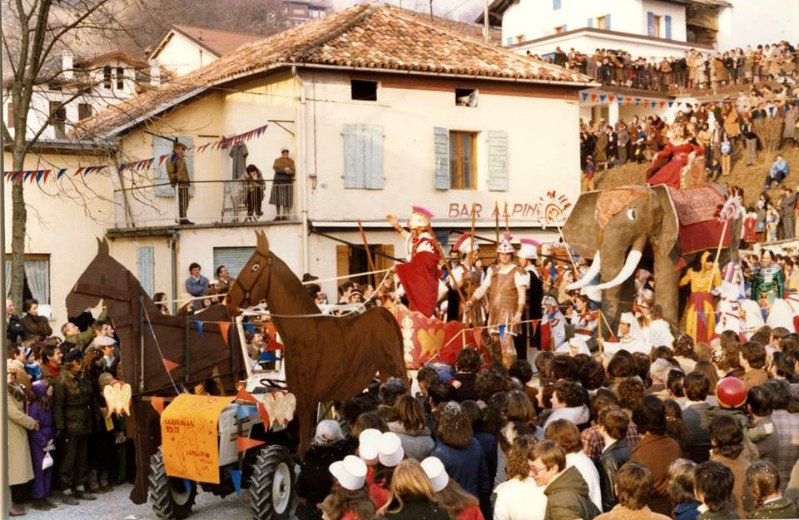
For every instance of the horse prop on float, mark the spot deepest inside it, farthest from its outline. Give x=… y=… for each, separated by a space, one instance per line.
x=150 y=344
x=327 y=357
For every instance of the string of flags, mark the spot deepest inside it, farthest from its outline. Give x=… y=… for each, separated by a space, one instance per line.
x=629 y=100
x=43 y=175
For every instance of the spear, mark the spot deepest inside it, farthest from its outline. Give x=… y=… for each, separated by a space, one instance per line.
x=368 y=253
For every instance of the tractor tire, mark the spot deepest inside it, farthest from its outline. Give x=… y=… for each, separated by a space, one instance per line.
x=272 y=484
x=171 y=500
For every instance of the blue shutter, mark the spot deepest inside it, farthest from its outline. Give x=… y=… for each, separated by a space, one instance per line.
x=668 y=27
x=497 y=160
x=145 y=266
x=363 y=156
x=565 y=27
x=650 y=23
x=441 y=146
x=555 y=4
x=162 y=146
x=590 y=22
x=607 y=22
x=373 y=140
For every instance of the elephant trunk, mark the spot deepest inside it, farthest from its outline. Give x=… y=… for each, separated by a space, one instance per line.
x=588 y=276
x=629 y=268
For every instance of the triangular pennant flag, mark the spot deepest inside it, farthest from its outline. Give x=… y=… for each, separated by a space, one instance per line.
x=628 y=101
x=243 y=411
x=502 y=332
x=46 y=175
x=593 y=97
x=235 y=476
x=245 y=396
x=612 y=99
x=162 y=158
x=653 y=104
x=170 y=365
x=264 y=415
x=199 y=325
x=266 y=357
x=26 y=175
x=671 y=104
x=602 y=97
x=662 y=104
x=274 y=345
x=250 y=328
x=245 y=443
x=157 y=403
x=39 y=176
x=88 y=170
x=224 y=329
x=60 y=173
x=585 y=96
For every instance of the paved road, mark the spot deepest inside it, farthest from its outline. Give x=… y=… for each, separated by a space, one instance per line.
x=117 y=506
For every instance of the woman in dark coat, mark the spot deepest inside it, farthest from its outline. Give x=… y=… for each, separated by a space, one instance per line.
x=412 y=496
x=282 y=195
x=315 y=482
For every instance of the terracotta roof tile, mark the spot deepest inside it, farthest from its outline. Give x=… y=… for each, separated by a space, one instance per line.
x=366 y=36
x=219 y=42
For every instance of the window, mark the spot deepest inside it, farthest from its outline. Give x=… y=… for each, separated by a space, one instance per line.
x=560 y=29
x=37 y=278
x=363 y=156
x=519 y=38
x=58 y=119
x=555 y=4
x=233 y=258
x=656 y=26
x=352 y=260
x=463 y=160
x=601 y=22
x=120 y=78
x=107 y=77
x=84 y=111
x=466 y=97
x=667 y=24
x=362 y=90
x=10 y=114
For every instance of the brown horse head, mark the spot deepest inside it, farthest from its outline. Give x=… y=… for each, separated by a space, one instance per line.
x=252 y=284
x=104 y=276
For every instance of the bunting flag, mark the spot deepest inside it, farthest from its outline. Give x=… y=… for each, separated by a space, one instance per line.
x=612 y=99
x=245 y=396
x=593 y=97
x=671 y=104
x=266 y=357
x=224 y=329
x=244 y=410
x=245 y=443
x=170 y=365
x=235 y=476
x=158 y=404
x=585 y=96
x=199 y=326
x=250 y=328
x=603 y=97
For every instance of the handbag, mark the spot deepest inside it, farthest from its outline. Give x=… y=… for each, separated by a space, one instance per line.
x=47 y=461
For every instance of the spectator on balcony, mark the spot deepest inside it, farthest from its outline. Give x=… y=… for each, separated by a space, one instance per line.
x=282 y=196
x=254 y=188
x=196 y=285
x=178 y=174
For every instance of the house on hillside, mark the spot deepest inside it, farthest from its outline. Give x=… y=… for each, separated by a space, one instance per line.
x=296 y=12
x=75 y=88
x=380 y=111
x=186 y=48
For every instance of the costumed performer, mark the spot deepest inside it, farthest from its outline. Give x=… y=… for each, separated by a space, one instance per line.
x=753 y=317
x=655 y=330
x=505 y=284
x=729 y=312
x=419 y=275
x=630 y=337
x=553 y=324
x=467 y=276
x=582 y=317
x=667 y=164
x=528 y=259
x=699 y=315
x=768 y=282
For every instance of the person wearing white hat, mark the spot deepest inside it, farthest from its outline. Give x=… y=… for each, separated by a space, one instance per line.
x=553 y=324
x=506 y=285
x=528 y=258
x=412 y=496
x=349 y=498
x=314 y=481
x=368 y=445
x=629 y=337
x=458 y=502
x=389 y=450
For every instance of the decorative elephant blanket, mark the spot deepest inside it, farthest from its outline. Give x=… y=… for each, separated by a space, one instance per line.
x=697 y=210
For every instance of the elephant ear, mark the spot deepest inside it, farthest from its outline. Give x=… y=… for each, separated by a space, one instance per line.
x=670 y=225
x=581 y=230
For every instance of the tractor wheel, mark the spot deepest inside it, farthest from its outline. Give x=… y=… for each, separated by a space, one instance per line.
x=172 y=498
x=272 y=484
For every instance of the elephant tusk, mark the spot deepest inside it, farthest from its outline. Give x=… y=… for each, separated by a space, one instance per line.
x=629 y=268
x=588 y=276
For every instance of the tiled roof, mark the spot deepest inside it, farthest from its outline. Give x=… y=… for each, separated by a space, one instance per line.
x=218 y=42
x=366 y=36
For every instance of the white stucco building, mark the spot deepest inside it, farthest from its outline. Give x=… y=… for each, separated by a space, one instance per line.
x=420 y=115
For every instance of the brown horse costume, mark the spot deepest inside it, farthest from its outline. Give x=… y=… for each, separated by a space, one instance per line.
x=200 y=355
x=327 y=357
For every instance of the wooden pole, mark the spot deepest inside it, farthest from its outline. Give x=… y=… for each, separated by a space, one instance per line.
x=507 y=220
x=368 y=254
x=496 y=218
x=445 y=258
x=721 y=243
x=474 y=214
x=569 y=252
x=486 y=26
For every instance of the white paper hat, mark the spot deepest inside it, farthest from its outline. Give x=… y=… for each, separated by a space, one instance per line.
x=350 y=472
x=368 y=444
x=390 y=452
x=436 y=473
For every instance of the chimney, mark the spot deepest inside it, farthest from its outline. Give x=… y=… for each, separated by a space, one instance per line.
x=67 y=65
x=155 y=73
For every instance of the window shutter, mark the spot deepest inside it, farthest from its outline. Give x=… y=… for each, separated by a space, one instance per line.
x=607 y=22
x=509 y=40
x=363 y=156
x=668 y=27
x=234 y=258
x=564 y=28
x=650 y=23
x=442 y=158
x=590 y=22
x=556 y=4
x=162 y=146
x=145 y=264
x=497 y=160
x=342 y=266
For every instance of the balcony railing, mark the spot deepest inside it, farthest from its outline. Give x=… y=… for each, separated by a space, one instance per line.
x=209 y=202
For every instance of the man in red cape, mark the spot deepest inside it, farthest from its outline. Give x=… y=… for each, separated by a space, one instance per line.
x=419 y=275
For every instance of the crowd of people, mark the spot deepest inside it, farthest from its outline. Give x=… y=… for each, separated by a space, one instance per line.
x=693 y=70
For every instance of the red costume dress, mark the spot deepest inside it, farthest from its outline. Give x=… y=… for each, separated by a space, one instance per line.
x=419 y=276
x=677 y=156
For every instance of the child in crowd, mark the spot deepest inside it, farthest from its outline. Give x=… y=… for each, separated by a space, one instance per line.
x=42 y=442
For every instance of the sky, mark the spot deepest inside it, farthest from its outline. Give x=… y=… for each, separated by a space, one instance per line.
x=463 y=10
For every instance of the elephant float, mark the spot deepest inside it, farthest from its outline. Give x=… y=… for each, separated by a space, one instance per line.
x=618 y=227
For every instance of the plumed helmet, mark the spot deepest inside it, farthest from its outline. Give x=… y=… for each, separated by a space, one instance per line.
x=529 y=249
x=505 y=246
x=731 y=392
x=420 y=217
x=466 y=244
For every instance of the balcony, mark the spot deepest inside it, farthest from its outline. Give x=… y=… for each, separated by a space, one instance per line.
x=154 y=207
